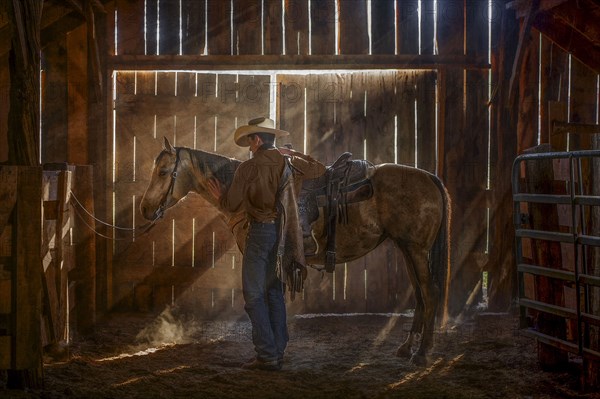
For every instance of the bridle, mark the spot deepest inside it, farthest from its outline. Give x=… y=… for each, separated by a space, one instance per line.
x=164 y=200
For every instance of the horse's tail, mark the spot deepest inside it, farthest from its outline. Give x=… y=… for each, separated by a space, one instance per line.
x=440 y=255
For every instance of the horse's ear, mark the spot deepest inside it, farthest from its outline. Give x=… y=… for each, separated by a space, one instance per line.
x=168 y=147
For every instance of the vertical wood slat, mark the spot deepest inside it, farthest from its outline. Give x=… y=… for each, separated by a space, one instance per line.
x=4 y=106
x=193 y=20
x=184 y=130
x=405 y=112
x=151 y=27
x=291 y=108
x=85 y=252
x=219 y=27
x=227 y=99
x=77 y=96
x=554 y=80
x=205 y=123
x=54 y=103
x=27 y=289
x=528 y=96
x=583 y=103
x=248 y=34
x=130 y=27
x=353 y=29
x=426 y=129
x=383 y=32
x=427 y=26
x=380 y=117
x=351 y=115
x=296 y=27
x=164 y=245
x=408 y=27
x=322 y=16
x=273 y=33
x=471 y=187
x=450 y=36
x=502 y=273
x=169 y=40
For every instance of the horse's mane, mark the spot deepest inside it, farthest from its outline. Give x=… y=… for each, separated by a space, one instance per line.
x=211 y=164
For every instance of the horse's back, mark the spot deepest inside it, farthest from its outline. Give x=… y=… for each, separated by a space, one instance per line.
x=410 y=204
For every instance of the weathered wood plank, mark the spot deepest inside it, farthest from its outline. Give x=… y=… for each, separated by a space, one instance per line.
x=353 y=29
x=151 y=27
x=248 y=34
x=322 y=18
x=296 y=16
x=193 y=27
x=273 y=33
x=290 y=115
x=27 y=288
x=351 y=132
x=85 y=252
x=54 y=103
x=408 y=27
x=427 y=26
x=381 y=118
x=77 y=95
x=426 y=127
x=4 y=106
x=383 y=32
x=291 y=61
x=450 y=36
x=405 y=112
x=219 y=27
x=130 y=25
x=169 y=42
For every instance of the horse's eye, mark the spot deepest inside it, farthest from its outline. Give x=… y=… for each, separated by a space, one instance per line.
x=162 y=172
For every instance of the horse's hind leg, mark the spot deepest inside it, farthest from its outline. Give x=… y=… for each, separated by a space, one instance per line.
x=405 y=349
x=417 y=257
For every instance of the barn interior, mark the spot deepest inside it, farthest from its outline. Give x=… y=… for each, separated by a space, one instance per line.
x=499 y=98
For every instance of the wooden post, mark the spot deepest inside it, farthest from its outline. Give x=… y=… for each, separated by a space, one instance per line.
x=501 y=265
x=24 y=62
x=26 y=360
x=84 y=273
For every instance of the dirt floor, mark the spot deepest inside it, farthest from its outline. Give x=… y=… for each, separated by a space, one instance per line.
x=166 y=356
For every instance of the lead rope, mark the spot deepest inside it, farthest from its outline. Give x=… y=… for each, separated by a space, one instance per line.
x=145 y=228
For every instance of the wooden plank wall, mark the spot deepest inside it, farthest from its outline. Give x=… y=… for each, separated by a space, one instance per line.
x=4 y=106
x=383 y=117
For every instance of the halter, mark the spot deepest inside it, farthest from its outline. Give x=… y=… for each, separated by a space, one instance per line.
x=161 y=208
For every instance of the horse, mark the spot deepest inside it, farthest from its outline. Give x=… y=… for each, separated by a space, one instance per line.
x=410 y=206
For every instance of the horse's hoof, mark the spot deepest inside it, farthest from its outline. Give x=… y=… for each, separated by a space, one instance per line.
x=404 y=351
x=418 y=360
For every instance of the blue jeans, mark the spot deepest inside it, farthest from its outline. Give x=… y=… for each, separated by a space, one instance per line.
x=263 y=292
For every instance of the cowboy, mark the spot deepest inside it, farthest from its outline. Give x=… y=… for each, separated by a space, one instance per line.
x=256 y=189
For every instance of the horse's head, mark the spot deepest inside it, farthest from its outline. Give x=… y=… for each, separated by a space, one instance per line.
x=166 y=186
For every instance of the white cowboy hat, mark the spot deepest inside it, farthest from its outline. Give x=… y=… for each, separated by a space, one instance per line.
x=256 y=125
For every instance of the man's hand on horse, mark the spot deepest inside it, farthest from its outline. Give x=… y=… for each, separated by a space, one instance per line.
x=214 y=188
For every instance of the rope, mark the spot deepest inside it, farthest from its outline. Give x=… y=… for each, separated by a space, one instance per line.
x=145 y=228
x=98 y=220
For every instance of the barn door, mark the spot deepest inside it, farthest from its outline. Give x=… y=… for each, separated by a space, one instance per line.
x=387 y=116
x=190 y=256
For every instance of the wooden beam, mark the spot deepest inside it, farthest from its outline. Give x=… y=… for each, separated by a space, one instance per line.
x=569 y=39
x=575 y=128
x=295 y=62
x=76 y=5
x=522 y=6
x=521 y=47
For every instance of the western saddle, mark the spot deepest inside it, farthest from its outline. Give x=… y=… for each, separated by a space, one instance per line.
x=344 y=182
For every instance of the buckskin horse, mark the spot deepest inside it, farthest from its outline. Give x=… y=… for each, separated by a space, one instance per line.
x=408 y=205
